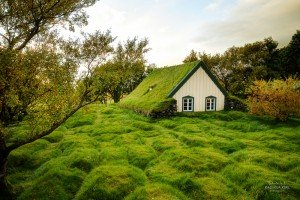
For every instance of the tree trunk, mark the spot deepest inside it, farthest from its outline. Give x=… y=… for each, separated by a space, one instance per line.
x=5 y=192
x=116 y=96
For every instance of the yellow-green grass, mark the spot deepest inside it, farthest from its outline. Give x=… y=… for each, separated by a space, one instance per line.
x=107 y=152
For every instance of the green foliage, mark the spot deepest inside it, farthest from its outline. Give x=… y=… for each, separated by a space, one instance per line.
x=153 y=91
x=235 y=103
x=219 y=155
x=39 y=87
x=32 y=83
x=192 y=57
x=238 y=67
x=289 y=59
x=277 y=98
x=127 y=68
x=22 y=20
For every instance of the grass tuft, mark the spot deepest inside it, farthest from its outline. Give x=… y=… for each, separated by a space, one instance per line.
x=111 y=182
x=156 y=191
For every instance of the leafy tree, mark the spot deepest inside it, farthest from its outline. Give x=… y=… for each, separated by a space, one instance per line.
x=238 y=67
x=21 y=21
x=125 y=70
x=277 y=98
x=289 y=63
x=38 y=83
x=191 y=57
x=40 y=87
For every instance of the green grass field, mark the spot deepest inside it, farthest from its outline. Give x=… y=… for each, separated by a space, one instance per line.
x=110 y=153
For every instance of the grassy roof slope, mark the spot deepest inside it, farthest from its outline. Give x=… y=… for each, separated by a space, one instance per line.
x=162 y=81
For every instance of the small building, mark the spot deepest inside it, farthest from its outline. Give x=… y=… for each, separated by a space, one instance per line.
x=192 y=85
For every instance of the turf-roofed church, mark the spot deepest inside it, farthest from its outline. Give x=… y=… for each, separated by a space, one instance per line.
x=191 y=87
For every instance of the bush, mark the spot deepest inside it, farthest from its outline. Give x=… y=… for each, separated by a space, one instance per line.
x=166 y=108
x=235 y=103
x=277 y=98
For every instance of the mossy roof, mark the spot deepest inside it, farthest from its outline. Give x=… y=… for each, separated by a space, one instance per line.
x=161 y=85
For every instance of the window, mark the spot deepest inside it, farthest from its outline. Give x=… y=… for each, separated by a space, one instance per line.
x=210 y=103
x=188 y=104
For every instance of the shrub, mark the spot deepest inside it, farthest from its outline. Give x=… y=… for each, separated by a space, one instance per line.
x=276 y=98
x=235 y=103
x=166 y=108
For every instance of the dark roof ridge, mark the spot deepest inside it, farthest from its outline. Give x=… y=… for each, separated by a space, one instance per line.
x=198 y=65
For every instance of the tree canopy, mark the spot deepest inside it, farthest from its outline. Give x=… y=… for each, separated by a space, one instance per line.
x=238 y=67
x=125 y=70
x=21 y=21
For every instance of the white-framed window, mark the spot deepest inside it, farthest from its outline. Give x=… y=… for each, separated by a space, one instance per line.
x=188 y=104
x=210 y=103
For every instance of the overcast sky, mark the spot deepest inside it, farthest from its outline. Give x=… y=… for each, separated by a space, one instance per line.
x=174 y=27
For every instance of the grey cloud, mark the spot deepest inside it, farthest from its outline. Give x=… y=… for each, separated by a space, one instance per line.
x=250 y=21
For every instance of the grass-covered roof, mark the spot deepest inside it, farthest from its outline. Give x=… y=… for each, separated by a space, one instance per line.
x=151 y=94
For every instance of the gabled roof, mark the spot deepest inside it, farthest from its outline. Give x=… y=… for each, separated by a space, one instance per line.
x=162 y=84
x=199 y=65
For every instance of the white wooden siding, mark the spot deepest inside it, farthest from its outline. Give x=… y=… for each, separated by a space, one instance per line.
x=199 y=86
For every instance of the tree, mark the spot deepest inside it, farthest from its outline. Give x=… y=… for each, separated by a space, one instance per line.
x=277 y=98
x=238 y=67
x=21 y=21
x=41 y=90
x=125 y=70
x=191 y=57
x=37 y=84
x=289 y=62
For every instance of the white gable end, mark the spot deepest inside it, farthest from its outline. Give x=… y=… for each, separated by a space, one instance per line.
x=199 y=86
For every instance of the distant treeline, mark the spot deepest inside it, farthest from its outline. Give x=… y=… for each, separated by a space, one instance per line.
x=238 y=67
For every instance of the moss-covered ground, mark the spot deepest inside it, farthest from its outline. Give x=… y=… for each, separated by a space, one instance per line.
x=110 y=153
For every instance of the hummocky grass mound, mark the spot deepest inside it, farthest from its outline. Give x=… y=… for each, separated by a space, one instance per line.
x=111 y=182
x=107 y=152
x=157 y=192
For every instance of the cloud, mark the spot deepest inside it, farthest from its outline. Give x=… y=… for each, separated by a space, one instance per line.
x=104 y=16
x=213 y=5
x=249 y=21
x=167 y=38
x=174 y=27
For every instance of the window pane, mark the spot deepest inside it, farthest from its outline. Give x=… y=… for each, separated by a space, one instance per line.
x=188 y=104
x=210 y=104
